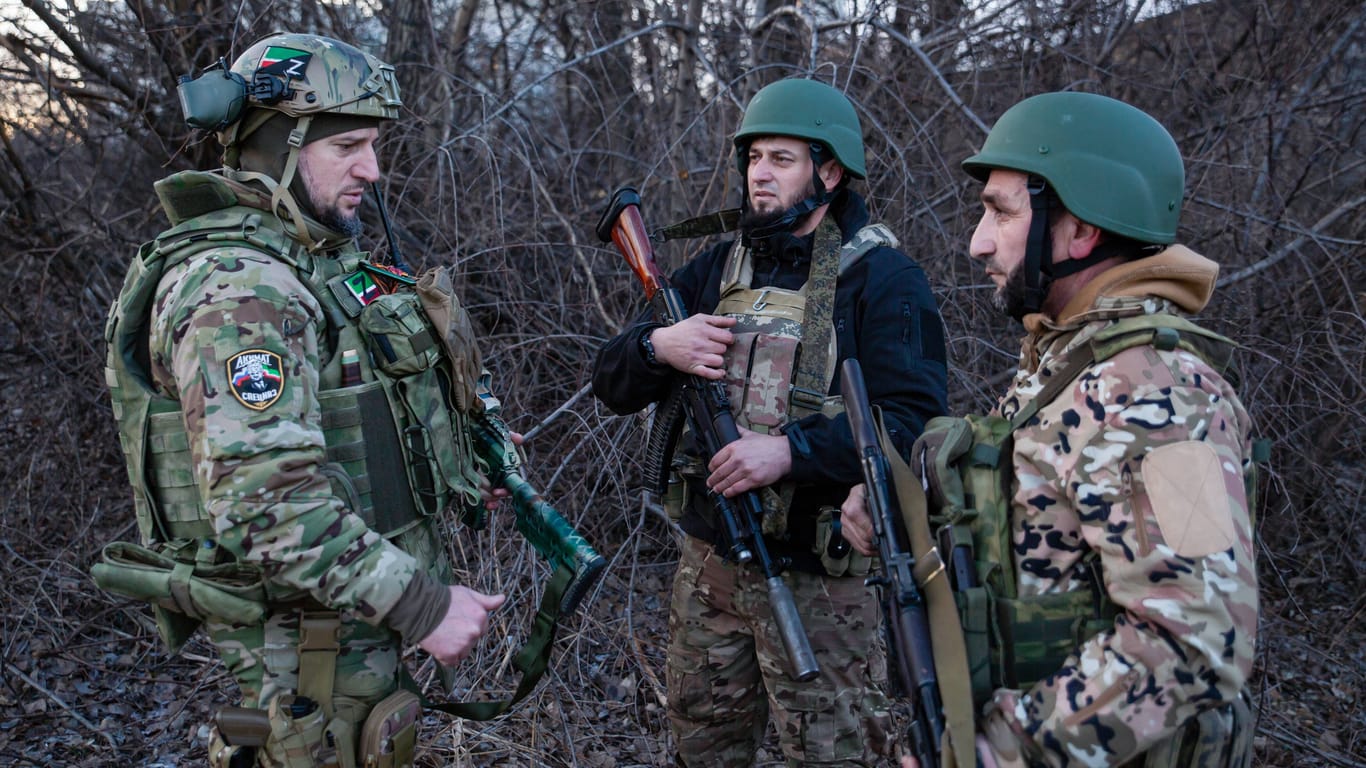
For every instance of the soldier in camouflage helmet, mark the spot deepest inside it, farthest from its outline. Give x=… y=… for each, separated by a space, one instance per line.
x=262 y=426
x=810 y=282
x=1128 y=480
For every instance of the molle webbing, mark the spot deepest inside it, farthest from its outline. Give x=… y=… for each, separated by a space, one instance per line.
x=361 y=438
x=361 y=441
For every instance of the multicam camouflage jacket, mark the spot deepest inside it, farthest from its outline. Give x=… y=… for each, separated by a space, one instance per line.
x=246 y=342
x=1140 y=461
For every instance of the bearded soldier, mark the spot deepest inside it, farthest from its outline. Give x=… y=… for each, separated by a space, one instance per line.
x=286 y=485
x=1112 y=614
x=811 y=281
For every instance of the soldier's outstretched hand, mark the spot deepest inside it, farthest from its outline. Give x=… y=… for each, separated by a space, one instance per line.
x=465 y=622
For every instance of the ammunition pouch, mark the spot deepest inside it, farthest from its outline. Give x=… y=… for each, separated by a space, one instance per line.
x=389 y=737
x=1011 y=641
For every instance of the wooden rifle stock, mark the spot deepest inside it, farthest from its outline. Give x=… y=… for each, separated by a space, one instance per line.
x=708 y=412
x=903 y=603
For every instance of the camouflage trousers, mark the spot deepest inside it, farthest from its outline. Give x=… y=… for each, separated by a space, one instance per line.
x=727 y=668
x=264 y=659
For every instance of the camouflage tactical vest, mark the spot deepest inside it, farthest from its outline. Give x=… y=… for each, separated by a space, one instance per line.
x=1014 y=641
x=771 y=378
x=392 y=432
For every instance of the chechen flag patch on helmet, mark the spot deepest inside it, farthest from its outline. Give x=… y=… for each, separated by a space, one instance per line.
x=256 y=378
x=286 y=62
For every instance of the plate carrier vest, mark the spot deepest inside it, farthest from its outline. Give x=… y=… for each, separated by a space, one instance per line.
x=392 y=432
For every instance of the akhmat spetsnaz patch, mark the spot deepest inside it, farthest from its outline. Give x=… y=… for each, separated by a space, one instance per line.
x=256 y=378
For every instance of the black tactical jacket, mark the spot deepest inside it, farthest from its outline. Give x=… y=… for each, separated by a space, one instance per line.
x=885 y=315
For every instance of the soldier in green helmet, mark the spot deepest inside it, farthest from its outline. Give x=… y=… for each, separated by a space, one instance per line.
x=1120 y=613
x=811 y=281
x=289 y=428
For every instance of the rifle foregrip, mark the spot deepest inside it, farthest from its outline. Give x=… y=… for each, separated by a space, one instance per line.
x=798 y=647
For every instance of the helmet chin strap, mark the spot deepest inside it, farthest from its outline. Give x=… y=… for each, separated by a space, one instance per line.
x=281 y=194
x=1038 y=261
x=1039 y=270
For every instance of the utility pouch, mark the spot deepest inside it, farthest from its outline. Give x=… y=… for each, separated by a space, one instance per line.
x=182 y=593
x=455 y=332
x=675 y=498
x=852 y=563
x=389 y=737
x=297 y=725
x=401 y=341
x=225 y=755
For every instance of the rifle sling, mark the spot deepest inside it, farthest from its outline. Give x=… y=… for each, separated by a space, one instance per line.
x=946 y=634
x=713 y=223
x=811 y=380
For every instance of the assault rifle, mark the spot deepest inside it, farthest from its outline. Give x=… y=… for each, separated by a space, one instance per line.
x=708 y=413
x=903 y=602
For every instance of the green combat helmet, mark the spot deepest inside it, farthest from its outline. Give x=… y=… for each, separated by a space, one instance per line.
x=1110 y=164
x=301 y=76
x=802 y=109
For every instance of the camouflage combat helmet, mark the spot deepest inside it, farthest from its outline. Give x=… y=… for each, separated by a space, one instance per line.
x=303 y=75
x=804 y=109
x=1111 y=164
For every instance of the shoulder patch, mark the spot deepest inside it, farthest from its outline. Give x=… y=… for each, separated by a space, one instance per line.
x=256 y=378
x=1186 y=486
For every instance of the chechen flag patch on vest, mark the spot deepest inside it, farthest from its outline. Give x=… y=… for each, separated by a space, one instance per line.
x=256 y=378
x=286 y=62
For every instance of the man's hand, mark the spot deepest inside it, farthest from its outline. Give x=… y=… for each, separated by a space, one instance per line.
x=751 y=462
x=465 y=622
x=856 y=525
x=695 y=345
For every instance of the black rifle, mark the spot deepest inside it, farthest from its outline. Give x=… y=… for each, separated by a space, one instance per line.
x=708 y=413
x=903 y=602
